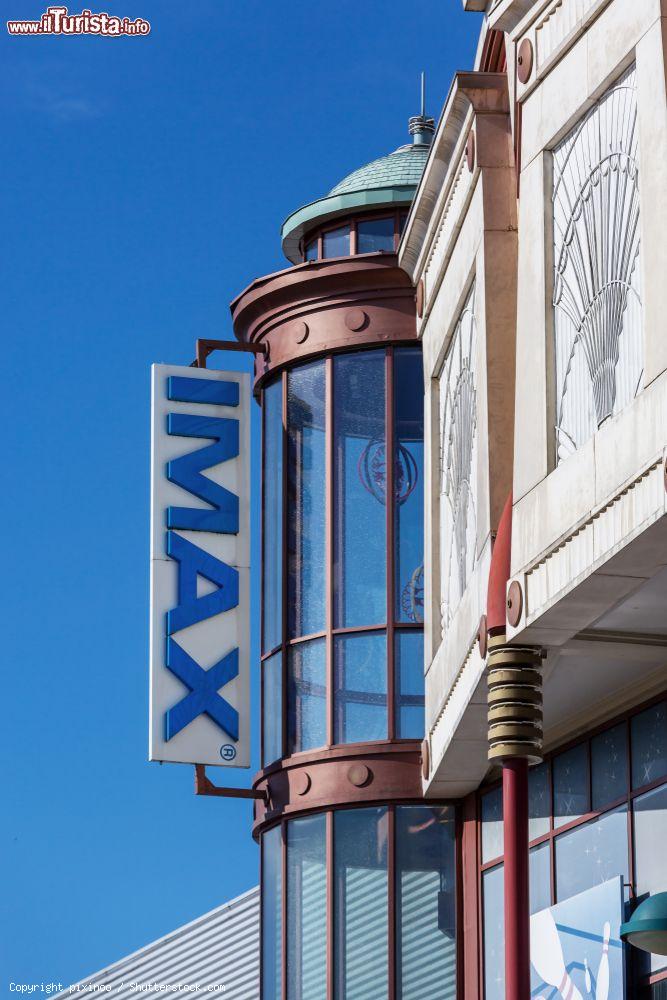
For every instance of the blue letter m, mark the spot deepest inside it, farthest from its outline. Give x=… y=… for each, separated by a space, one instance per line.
x=203 y=697
x=187 y=472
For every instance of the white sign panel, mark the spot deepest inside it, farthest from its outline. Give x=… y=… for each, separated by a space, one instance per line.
x=200 y=558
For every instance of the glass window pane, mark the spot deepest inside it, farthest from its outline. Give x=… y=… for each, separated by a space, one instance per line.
x=271 y=914
x=539 y=874
x=360 y=537
x=374 y=235
x=539 y=806
x=409 y=485
x=649 y=745
x=306 y=909
x=650 y=811
x=272 y=536
x=360 y=707
x=426 y=902
x=311 y=250
x=360 y=911
x=409 y=669
x=494 y=934
x=306 y=540
x=307 y=722
x=570 y=777
x=492 y=825
x=592 y=853
x=336 y=243
x=272 y=708
x=609 y=766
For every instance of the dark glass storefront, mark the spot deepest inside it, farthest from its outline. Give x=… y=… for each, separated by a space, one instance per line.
x=598 y=809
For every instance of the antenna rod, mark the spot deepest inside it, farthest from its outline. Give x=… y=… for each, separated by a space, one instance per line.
x=423 y=93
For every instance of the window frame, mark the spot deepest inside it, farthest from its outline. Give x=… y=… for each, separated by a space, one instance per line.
x=399 y=215
x=393 y=916
x=555 y=832
x=392 y=625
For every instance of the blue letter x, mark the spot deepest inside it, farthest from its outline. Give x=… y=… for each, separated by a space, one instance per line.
x=204 y=686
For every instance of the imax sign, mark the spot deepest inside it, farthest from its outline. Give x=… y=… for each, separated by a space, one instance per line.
x=200 y=534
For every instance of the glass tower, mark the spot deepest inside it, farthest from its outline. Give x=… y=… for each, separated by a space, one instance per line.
x=359 y=895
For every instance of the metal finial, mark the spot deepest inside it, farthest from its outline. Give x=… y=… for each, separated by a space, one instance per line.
x=421 y=127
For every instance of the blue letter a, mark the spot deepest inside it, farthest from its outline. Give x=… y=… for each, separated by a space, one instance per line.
x=194 y=562
x=187 y=472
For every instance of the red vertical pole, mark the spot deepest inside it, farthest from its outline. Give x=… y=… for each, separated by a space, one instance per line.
x=517 y=910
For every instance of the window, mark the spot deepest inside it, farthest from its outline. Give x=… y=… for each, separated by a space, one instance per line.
x=311 y=250
x=336 y=242
x=272 y=708
x=307 y=696
x=426 y=902
x=374 y=235
x=360 y=911
x=343 y=870
x=271 y=897
x=272 y=538
x=589 y=813
x=360 y=536
x=306 y=499
x=306 y=909
x=409 y=671
x=360 y=705
x=347 y=518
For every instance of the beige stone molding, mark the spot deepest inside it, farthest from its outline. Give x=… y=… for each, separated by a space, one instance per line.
x=594 y=541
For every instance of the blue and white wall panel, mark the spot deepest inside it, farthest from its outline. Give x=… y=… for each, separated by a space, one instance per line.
x=200 y=558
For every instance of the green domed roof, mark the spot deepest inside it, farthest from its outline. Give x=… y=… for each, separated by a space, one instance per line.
x=387 y=182
x=402 y=168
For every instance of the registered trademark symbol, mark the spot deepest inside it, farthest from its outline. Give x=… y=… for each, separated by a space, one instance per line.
x=227 y=751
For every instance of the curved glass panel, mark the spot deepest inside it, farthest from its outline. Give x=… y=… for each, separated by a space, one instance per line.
x=311 y=250
x=306 y=499
x=360 y=912
x=409 y=670
x=360 y=542
x=336 y=243
x=306 y=909
x=272 y=527
x=271 y=894
x=272 y=708
x=409 y=485
x=307 y=722
x=425 y=902
x=374 y=235
x=360 y=707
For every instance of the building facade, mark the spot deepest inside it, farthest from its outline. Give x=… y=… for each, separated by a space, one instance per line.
x=463 y=383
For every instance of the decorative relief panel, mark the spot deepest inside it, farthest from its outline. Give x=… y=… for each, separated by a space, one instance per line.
x=458 y=461
x=597 y=293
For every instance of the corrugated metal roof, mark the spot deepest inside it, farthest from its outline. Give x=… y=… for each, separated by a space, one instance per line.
x=219 y=949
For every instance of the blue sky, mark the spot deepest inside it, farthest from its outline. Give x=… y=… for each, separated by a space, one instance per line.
x=144 y=183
